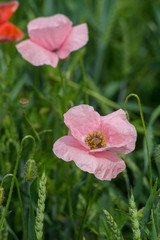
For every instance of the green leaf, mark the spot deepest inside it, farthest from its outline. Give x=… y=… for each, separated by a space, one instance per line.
x=31 y=219
x=149 y=204
x=153 y=118
x=12 y=233
x=153 y=232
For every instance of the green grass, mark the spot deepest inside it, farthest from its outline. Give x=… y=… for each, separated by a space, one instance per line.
x=121 y=57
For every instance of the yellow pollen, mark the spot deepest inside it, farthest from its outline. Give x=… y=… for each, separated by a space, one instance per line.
x=95 y=140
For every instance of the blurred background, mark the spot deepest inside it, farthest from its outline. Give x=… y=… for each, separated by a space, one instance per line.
x=122 y=56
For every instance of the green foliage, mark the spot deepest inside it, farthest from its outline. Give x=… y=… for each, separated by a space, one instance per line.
x=122 y=56
x=4 y=231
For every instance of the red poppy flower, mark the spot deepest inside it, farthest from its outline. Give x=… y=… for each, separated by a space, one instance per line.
x=8 y=31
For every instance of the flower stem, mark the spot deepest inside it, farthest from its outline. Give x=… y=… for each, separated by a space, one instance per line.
x=84 y=79
x=63 y=88
x=20 y=201
x=14 y=174
x=86 y=208
x=69 y=200
x=145 y=133
x=33 y=129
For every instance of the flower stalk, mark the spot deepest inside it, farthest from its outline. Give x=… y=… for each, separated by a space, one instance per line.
x=20 y=201
x=84 y=79
x=63 y=87
x=14 y=174
x=86 y=208
x=145 y=133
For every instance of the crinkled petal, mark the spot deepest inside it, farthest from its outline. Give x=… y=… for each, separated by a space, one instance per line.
x=77 y=39
x=66 y=147
x=120 y=134
x=104 y=165
x=50 y=32
x=36 y=54
x=109 y=165
x=81 y=120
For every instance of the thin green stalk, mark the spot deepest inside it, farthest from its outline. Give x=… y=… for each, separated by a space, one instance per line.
x=69 y=200
x=45 y=131
x=84 y=79
x=94 y=194
x=145 y=133
x=92 y=93
x=14 y=174
x=33 y=129
x=63 y=88
x=20 y=201
x=87 y=206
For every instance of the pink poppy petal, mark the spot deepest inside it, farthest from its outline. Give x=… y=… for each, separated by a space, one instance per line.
x=81 y=120
x=77 y=39
x=104 y=166
x=50 y=32
x=109 y=165
x=66 y=147
x=120 y=134
x=36 y=55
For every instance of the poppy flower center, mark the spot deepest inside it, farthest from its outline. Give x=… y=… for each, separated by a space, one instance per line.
x=95 y=140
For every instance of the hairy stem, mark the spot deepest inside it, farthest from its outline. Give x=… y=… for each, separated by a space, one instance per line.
x=87 y=206
x=20 y=201
x=63 y=88
x=145 y=133
x=14 y=174
x=84 y=79
x=69 y=201
x=33 y=129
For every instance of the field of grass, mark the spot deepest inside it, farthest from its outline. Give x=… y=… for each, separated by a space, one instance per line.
x=120 y=59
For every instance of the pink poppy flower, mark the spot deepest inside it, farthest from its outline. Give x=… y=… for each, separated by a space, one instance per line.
x=52 y=38
x=93 y=141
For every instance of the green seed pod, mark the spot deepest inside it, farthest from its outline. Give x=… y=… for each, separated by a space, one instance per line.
x=30 y=170
x=23 y=101
x=1 y=195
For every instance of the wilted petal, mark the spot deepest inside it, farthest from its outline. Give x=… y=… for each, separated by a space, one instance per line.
x=36 y=54
x=81 y=120
x=104 y=166
x=50 y=32
x=77 y=39
x=120 y=134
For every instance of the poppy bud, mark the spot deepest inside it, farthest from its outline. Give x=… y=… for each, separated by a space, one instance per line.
x=23 y=101
x=1 y=195
x=30 y=170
